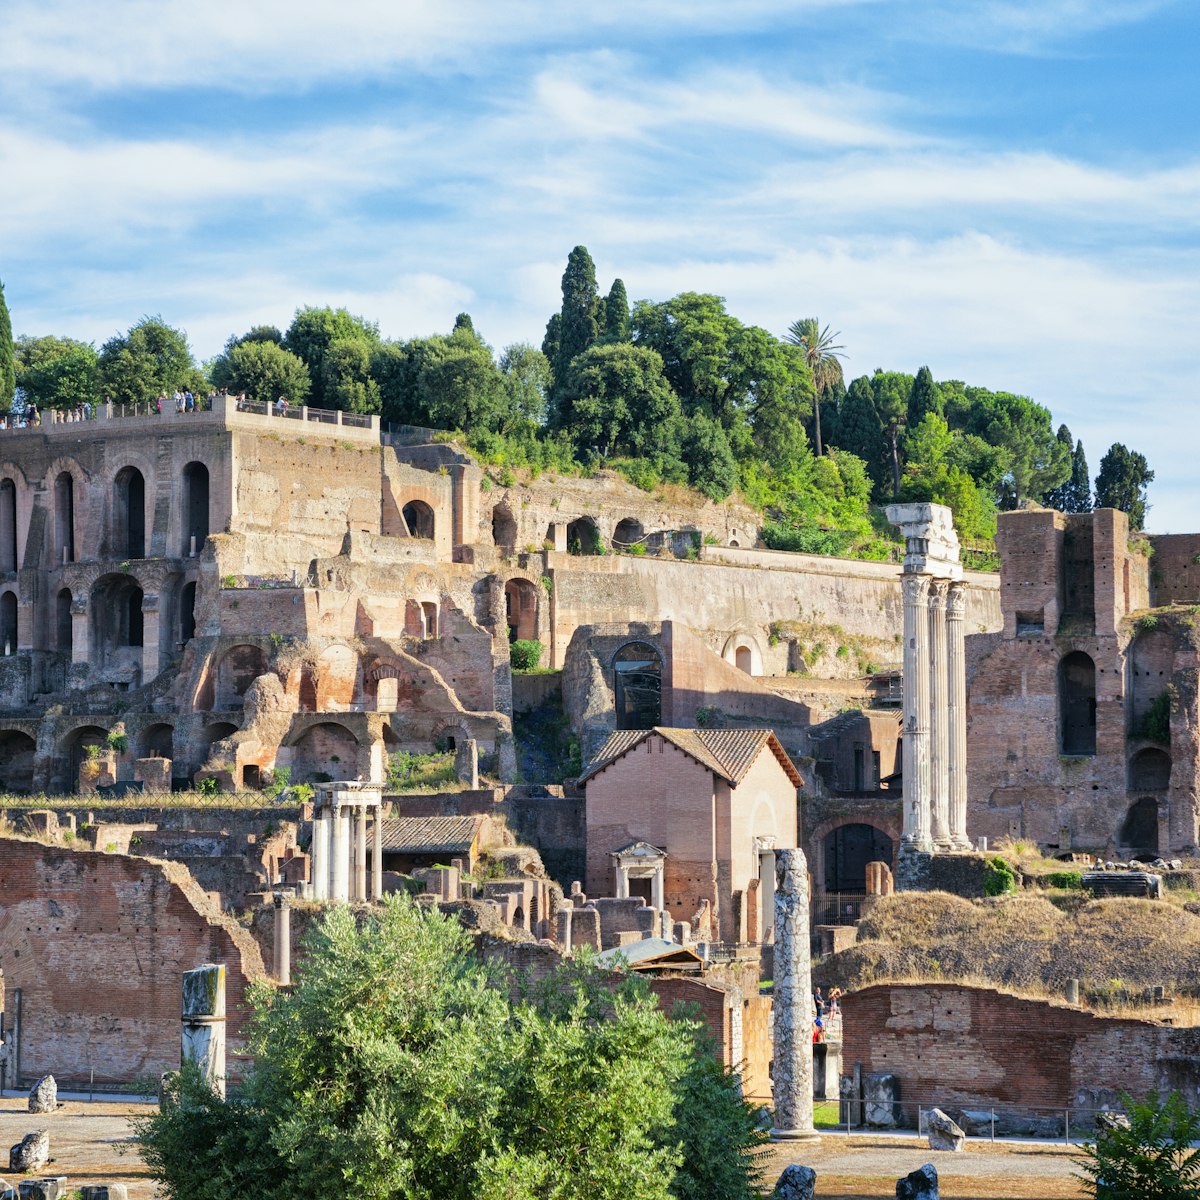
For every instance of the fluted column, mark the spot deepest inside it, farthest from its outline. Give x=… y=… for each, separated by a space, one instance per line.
x=319 y=867
x=956 y=675
x=339 y=888
x=360 y=853
x=377 y=856
x=939 y=732
x=915 y=766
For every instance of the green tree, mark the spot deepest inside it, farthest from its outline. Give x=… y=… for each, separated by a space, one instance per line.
x=860 y=431
x=821 y=354
x=264 y=370
x=458 y=384
x=55 y=372
x=891 y=390
x=312 y=334
x=705 y=451
x=1122 y=482
x=398 y=1065
x=578 y=327
x=136 y=367
x=1153 y=1158
x=346 y=381
x=924 y=398
x=617 y=327
x=394 y=369
x=8 y=370
x=1074 y=494
x=526 y=375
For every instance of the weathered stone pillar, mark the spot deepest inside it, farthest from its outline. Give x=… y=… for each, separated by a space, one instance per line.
x=283 y=937
x=360 y=854
x=319 y=869
x=792 y=1000
x=915 y=767
x=81 y=628
x=339 y=885
x=203 y=1019
x=766 y=884
x=377 y=856
x=622 y=881
x=150 y=637
x=939 y=732
x=956 y=673
x=657 y=900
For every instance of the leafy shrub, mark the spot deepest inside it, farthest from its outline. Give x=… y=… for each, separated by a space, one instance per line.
x=1156 y=723
x=998 y=877
x=525 y=654
x=1063 y=879
x=118 y=742
x=209 y=786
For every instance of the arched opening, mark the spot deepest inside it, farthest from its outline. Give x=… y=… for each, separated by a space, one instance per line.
x=1150 y=771
x=17 y=752
x=187 y=612
x=308 y=690
x=129 y=514
x=195 y=507
x=583 y=537
x=324 y=752
x=64 y=626
x=8 y=623
x=158 y=742
x=1077 y=703
x=430 y=612
x=847 y=850
x=418 y=517
x=504 y=528
x=627 y=533
x=520 y=606
x=743 y=658
x=8 y=526
x=117 y=627
x=77 y=748
x=1139 y=832
x=217 y=732
x=239 y=668
x=64 y=518
x=637 y=686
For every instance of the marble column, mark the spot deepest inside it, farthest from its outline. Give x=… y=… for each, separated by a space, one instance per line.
x=915 y=767
x=792 y=1001
x=377 y=857
x=283 y=937
x=766 y=884
x=203 y=1022
x=319 y=867
x=956 y=674
x=657 y=901
x=939 y=732
x=339 y=889
x=622 y=881
x=360 y=854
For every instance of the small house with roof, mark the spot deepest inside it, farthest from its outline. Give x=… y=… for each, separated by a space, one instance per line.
x=690 y=819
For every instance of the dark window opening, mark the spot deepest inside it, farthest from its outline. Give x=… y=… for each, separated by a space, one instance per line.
x=418 y=516
x=8 y=623
x=637 y=680
x=1140 y=829
x=130 y=514
x=63 y=624
x=195 y=507
x=8 y=526
x=1077 y=703
x=848 y=849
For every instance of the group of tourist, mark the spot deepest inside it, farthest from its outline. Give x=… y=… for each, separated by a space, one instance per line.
x=185 y=401
x=824 y=1010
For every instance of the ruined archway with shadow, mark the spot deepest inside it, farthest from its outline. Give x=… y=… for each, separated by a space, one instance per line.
x=637 y=686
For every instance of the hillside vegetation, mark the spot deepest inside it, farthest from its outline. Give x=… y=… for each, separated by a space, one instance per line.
x=1115 y=948
x=668 y=392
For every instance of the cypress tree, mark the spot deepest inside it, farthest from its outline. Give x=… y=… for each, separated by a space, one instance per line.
x=579 y=327
x=860 y=431
x=1122 y=482
x=923 y=399
x=1079 y=487
x=616 y=313
x=8 y=365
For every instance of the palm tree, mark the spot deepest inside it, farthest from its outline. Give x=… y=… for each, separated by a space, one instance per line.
x=821 y=354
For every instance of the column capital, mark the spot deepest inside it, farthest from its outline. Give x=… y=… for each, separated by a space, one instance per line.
x=938 y=593
x=956 y=600
x=915 y=587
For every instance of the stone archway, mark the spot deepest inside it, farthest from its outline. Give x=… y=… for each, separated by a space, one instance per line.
x=17 y=752
x=418 y=517
x=521 y=609
x=324 y=751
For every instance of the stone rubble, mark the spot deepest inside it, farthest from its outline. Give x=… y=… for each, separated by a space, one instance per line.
x=43 y=1097
x=31 y=1153
x=921 y=1184
x=796 y=1183
x=944 y=1134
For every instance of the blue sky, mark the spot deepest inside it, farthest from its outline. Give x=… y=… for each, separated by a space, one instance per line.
x=1007 y=191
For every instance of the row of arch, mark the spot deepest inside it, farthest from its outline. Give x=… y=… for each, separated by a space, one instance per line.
x=125 y=534
x=1077 y=699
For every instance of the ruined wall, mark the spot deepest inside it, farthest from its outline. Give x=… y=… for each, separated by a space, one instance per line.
x=965 y=1047
x=1175 y=568
x=97 y=943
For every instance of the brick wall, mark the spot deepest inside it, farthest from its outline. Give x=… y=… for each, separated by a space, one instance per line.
x=97 y=944
x=965 y=1047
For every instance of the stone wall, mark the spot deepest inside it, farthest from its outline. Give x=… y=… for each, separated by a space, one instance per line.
x=97 y=944
x=968 y=1047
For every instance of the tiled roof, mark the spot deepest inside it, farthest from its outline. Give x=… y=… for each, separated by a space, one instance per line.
x=729 y=753
x=430 y=835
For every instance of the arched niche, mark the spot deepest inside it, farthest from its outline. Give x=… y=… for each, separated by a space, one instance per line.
x=418 y=517
x=129 y=514
x=1077 y=704
x=846 y=851
x=637 y=686
x=504 y=528
x=1150 y=771
x=521 y=609
x=195 y=507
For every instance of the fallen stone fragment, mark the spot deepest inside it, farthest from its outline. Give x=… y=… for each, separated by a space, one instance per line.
x=944 y=1134
x=104 y=1191
x=43 y=1098
x=53 y=1187
x=796 y=1183
x=31 y=1153
x=921 y=1184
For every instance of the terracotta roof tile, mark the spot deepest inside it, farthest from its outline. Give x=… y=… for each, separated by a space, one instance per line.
x=729 y=753
x=430 y=835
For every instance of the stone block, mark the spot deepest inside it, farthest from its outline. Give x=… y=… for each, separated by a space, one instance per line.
x=585 y=928
x=850 y=1102
x=42 y=822
x=944 y=1134
x=976 y=1122
x=796 y=1183
x=52 y=1187
x=204 y=992
x=921 y=1184
x=881 y=1099
x=104 y=1191
x=43 y=1096
x=154 y=774
x=31 y=1153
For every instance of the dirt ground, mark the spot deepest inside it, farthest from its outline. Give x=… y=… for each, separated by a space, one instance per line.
x=90 y=1142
